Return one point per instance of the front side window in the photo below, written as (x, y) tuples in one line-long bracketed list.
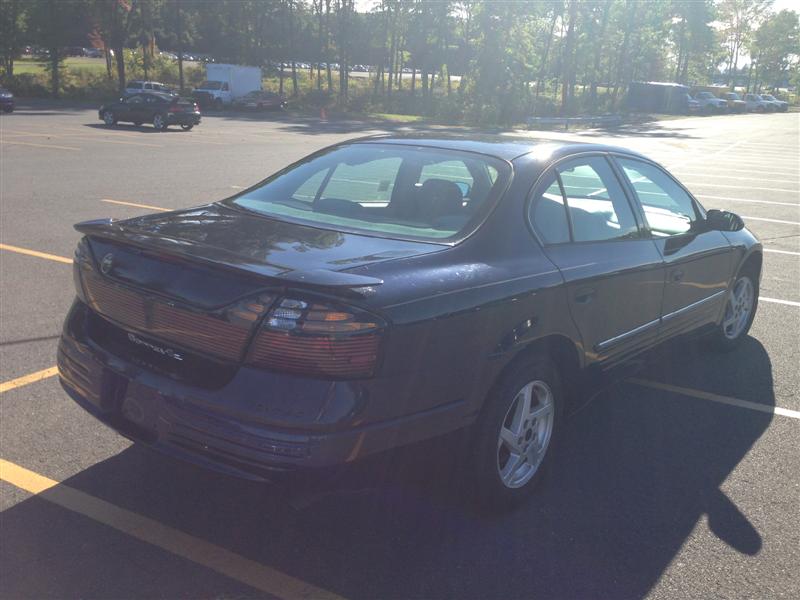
[(384, 189), (668, 209)]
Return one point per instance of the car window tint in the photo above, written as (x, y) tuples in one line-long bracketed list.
[(365, 183), (448, 170), (597, 206), (389, 190), (309, 188), (668, 209), (548, 213)]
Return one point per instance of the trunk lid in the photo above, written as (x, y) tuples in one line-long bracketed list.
[(213, 255)]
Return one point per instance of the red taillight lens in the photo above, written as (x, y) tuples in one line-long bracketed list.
[(318, 340)]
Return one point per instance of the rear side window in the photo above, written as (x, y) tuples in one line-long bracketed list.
[(391, 190), (548, 213), (668, 209), (596, 204)]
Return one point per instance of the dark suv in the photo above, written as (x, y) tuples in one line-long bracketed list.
[(389, 290)]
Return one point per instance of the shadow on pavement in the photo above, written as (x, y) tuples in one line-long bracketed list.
[(637, 469), (651, 129)]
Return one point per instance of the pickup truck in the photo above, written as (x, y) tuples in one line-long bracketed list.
[(709, 103)]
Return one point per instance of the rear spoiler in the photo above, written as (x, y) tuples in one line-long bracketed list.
[(112, 230)]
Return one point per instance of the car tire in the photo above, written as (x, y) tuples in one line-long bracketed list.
[(503, 478), (741, 304), (160, 122), (109, 118), (187, 126), (218, 105)]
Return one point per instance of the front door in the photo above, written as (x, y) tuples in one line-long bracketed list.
[(698, 262), (614, 275)]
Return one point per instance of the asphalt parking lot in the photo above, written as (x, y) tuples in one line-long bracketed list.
[(681, 481)]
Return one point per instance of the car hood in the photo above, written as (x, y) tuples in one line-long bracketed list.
[(235, 238)]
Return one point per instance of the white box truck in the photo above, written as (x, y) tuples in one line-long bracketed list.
[(224, 83)]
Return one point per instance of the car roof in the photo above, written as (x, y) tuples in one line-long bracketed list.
[(161, 95), (504, 147)]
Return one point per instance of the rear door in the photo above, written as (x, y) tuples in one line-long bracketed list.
[(698, 262), (614, 274)]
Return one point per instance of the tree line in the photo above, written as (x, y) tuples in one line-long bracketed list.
[(497, 59)]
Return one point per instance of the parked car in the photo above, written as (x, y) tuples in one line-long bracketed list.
[(392, 289), (756, 103), (780, 105), (6, 100), (692, 105), (735, 102), (162, 110), (260, 100), (136, 87), (709, 103)]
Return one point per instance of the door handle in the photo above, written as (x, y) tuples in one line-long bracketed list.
[(585, 295), (677, 275)]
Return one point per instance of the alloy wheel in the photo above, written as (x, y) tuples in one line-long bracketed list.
[(158, 122), (108, 118), (738, 308), (525, 434)]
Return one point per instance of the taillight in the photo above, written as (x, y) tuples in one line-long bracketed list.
[(318, 340), (82, 261)]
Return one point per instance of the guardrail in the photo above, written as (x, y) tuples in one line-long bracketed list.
[(591, 121)]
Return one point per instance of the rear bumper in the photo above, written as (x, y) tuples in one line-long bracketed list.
[(226, 429), (183, 119)]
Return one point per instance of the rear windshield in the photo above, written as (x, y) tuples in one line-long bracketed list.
[(384, 189), (211, 85)]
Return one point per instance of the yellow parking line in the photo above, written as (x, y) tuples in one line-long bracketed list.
[(258, 576), (55, 147), (26, 379), (37, 254), (134, 204)]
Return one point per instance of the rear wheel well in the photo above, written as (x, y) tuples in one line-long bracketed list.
[(562, 351)]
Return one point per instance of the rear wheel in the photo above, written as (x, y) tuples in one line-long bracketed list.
[(516, 432), (740, 310), (160, 122), (109, 118), (186, 126)]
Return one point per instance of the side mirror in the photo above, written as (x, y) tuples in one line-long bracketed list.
[(723, 220)]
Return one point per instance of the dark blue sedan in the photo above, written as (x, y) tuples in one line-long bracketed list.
[(388, 290)]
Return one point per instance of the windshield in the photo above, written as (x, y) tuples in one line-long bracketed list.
[(384, 189), (211, 85)]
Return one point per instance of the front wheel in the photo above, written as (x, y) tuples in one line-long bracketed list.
[(740, 310), (515, 435), (159, 122), (109, 118)]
